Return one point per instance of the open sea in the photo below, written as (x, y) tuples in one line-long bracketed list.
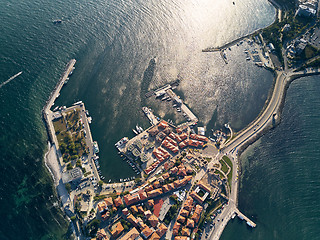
[(113, 42)]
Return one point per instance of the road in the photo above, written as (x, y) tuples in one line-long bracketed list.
[(265, 120)]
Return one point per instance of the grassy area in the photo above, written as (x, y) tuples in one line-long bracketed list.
[(315, 63), (219, 173), (224, 166), (310, 52), (230, 179), (70, 137), (228, 161)]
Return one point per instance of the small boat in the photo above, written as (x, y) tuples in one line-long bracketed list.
[(95, 147), (71, 71), (141, 129), (165, 98), (56, 108), (135, 131), (57, 21), (123, 140), (138, 129)]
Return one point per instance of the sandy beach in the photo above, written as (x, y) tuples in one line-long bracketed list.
[(52, 164)]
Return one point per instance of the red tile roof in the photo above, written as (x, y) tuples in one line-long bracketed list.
[(188, 204), (156, 184), (184, 213), (108, 201), (175, 229), (125, 211), (118, 201), (117, 229), (102, 206), (190, 223), (153, 220), (195, 217), (143, 195), (163, 124), (185, 231), (151, 203), (155, 192), (140, 209), (183, 136), (154, 236), (101, 234), (181, 219), (181, 238), (170, 146), (165, 188), (131, 235), (199, 137), (165, 175), (132, 220), (174, 170), (146, 232), (162, 229), (184, 143), (148, 188), (198, 209), (134, 209), (157, 207), (147, 213), (131, 198)]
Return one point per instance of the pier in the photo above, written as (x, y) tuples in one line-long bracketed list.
[(152, 118), (184, 107), (161, 91), (244, 217), (47, 113), (56, 91)]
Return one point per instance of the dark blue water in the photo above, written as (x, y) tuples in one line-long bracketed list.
[(280, 184), (113, 42)]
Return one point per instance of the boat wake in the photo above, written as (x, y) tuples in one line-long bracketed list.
[(10, 79)]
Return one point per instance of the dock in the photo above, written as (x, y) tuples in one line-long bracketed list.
[(47, 113), (56, 91), (152, 118), (161, 91), (243, 217), (184, 107)]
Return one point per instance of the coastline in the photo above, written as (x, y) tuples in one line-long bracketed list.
[(235, 41), (52, 164)]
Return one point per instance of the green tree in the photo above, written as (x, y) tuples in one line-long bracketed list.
[(68, 187), (69, 166)]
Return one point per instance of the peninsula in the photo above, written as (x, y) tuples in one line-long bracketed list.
[(186, 183)]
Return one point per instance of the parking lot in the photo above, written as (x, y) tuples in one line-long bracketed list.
[(314, 38)]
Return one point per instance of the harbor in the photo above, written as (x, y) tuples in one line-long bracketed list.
[(140, 152)]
